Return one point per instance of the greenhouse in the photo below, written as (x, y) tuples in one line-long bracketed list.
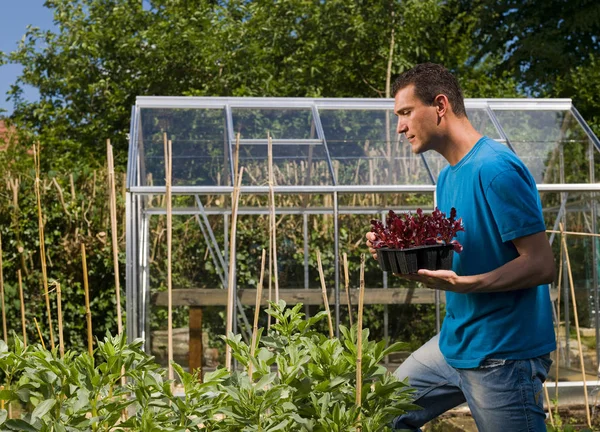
[(338, 163)]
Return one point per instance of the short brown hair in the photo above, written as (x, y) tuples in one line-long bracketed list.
[(431, 80)]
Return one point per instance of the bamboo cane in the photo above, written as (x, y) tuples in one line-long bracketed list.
[(270, 253), (560, 273), (371, 181), (272, 228), (4, 329), (549, 404), (88, 311), (168, 165), (115, 245), (232, 246), (570, 274), (113, 224), (37, 326), (72, 183), (347, 284), (236, 158), (324, 292), (257, 311), (361, 299), (231, 281), (61, 340), (270, 266), (36, 162), (23, 326), (573, 233)]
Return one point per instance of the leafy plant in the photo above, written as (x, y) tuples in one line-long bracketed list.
[(302, 381), (421, 229)]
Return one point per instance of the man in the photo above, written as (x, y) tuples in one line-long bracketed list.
[(493, 348)]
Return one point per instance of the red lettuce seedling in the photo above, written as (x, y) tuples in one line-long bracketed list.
[(421, 229)]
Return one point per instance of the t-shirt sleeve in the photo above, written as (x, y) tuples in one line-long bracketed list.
[(515, 204)]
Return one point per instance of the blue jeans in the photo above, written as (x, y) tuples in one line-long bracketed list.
[(503, 395)]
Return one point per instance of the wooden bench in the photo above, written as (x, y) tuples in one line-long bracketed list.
[(196, 298), (247, 297)]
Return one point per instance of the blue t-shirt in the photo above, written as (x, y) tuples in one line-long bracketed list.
[(496, 197)]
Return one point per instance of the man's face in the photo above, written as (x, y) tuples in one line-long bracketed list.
[(417, 121)]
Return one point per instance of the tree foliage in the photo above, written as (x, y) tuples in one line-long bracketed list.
[(538, 40), (104, 53)]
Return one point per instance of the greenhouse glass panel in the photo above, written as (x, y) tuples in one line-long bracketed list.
[(299, 156), (366, 149), (281, 123), (546, 141), (294, 163), (199, 146), (481, 121), (596, 171), (435, 162)]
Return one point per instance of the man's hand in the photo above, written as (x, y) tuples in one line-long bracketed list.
[(371, 237), (445, 280)]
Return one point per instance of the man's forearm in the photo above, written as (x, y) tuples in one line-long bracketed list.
[(522, 272)]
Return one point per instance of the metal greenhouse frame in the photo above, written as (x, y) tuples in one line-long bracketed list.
[(540, 131)]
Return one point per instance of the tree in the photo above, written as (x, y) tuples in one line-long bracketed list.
[(537, 41), (582, 84), (107, 52)]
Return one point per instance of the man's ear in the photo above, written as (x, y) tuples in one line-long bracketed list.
[(442, 105)]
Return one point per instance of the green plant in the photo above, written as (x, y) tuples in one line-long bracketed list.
[(302, 381), (560, 424)]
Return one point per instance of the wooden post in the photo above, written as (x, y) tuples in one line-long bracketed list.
[(361, 299), (4, 329), (196, 350), (36, 162), (113, 224), (37, 326), (324, 292), (23, 326), (61, 339), (585, 391), (347, 285), (88, 311), (257, 311)]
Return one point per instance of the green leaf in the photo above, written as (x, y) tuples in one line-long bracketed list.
[(265, 381), (42, 409), (278, 427), (7, 395), (20, 425)]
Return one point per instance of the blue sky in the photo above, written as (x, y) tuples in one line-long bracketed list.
[(15, 15)]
